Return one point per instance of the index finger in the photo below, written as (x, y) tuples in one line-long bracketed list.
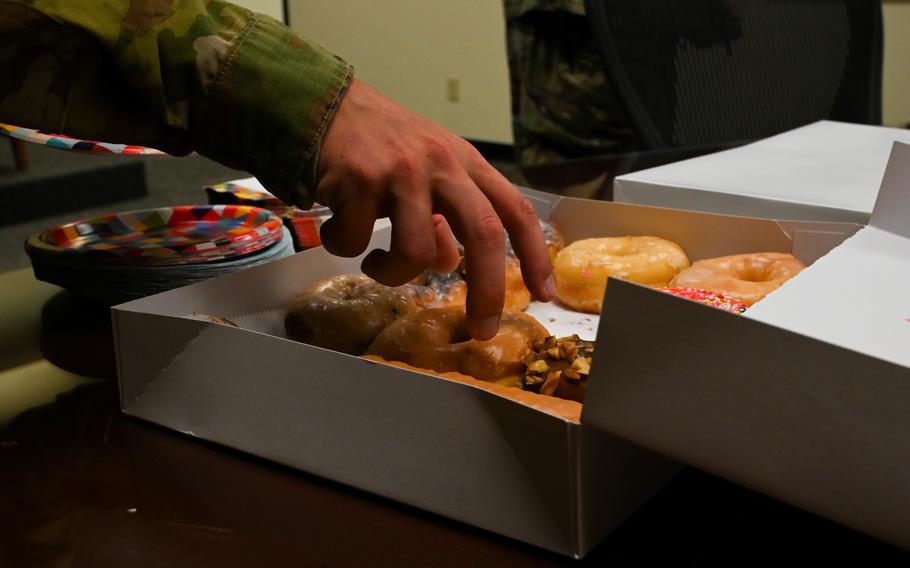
[(478, 228), (521, 221)]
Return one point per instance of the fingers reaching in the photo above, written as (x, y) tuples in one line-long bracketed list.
[(480, 231), (447, 255), (377, 159), (349, 230), (520, 220), (413, 247)]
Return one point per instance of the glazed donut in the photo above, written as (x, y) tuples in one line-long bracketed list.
[(582, 268), (746, 277), (517, 294), (558, 367), (345, 313), (438, 339)]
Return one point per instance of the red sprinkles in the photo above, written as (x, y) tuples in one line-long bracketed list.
[(709, 298)]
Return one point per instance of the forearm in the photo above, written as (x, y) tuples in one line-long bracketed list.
[(210, 76)]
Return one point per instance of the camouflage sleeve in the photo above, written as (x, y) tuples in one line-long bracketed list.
[(563, 103), (201, 75)]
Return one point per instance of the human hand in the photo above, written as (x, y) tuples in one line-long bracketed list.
[(379, 160)]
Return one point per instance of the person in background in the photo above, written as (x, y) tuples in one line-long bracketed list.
[(247, 91), (563, 105)]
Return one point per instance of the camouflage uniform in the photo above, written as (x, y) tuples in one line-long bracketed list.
[(562, 103), (179, 75)]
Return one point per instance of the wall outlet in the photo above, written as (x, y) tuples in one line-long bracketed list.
[(453, 91)]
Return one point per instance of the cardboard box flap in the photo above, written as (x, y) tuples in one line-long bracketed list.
[(827, 165), (855, 296), (790, 416), (701, 235), (543, 202), (892, 208)]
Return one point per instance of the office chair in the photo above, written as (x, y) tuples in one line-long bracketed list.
[(699, 72)]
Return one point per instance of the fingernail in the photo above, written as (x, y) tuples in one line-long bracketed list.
[(487, 328), (549, 288)]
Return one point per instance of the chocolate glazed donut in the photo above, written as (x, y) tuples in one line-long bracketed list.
[(345, 313)]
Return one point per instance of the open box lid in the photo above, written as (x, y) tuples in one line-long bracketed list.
[(825, 170), (851, 300), (856, 296), (804, 398)]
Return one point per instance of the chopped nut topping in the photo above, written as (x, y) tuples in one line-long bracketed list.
[(558, 367), (549, 387), (582, 366), (567, 350), (531, 380)]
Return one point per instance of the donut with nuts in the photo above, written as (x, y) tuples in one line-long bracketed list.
[(558, 367)]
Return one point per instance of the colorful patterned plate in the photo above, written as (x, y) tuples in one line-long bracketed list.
[(164, 236), (62, 142)]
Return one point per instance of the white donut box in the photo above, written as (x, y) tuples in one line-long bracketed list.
[(804, 397), (824, 171)]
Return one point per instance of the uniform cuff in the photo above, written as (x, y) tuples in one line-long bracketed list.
[(268, 108)]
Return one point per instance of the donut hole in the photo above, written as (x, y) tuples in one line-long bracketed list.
[(751, 276), (755, 272), (351, 290)]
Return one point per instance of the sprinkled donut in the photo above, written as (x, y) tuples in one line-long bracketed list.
[(745, 277), (438, 339), (345, 313), (582, 268), (708, 298)]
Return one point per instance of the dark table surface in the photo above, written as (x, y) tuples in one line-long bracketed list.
[(83, 485)]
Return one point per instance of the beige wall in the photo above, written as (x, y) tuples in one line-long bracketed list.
[(272, 8), (410, 49), (896, 81)]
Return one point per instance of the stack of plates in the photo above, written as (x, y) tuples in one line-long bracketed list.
[(123, 256)]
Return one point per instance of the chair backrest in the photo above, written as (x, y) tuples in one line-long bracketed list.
[(698, 72)]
